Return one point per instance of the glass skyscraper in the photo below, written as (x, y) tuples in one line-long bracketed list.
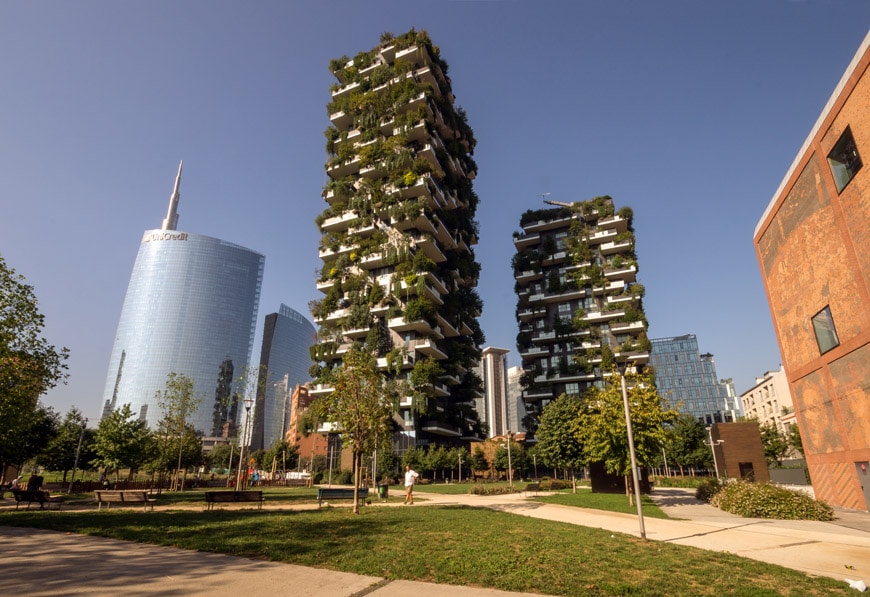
[(285, 359), (687, 378), (191, 308)]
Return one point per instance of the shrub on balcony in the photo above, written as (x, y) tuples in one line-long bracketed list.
[(419, 308)]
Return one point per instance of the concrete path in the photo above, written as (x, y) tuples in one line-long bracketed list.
[(46, 563)]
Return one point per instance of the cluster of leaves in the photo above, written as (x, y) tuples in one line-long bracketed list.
[(764, 500), (707, 488)]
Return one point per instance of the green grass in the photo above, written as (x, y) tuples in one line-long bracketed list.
[(612, 502), (455, 544)]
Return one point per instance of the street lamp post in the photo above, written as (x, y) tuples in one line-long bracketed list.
[(249, 402), (510, 467), (713, 449), (78, 452), (634, 469), (535, 460)]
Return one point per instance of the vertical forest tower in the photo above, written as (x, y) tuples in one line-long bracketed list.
[(398, 270)]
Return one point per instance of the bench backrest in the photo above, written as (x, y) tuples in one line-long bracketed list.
[(29, 495), (250, 496), (331, 492)]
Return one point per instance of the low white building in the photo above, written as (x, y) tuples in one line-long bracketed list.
[(770, 401)]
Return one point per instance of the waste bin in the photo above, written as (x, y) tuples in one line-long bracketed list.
[(383, 491)]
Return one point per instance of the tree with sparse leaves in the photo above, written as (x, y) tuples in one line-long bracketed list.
[(602, 430), (558, 446), (178, 402), (123, 442), (29, 365), (59, 454), (775, 443), (360, 406)]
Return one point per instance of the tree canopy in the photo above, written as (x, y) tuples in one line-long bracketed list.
[(29, 365), (558, 446), (122, 441)]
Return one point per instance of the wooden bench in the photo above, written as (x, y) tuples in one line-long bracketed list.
[(214, 497), (324, 494), (532, 488), (36, 497), (128, 496)]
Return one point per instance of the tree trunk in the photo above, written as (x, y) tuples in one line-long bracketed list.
[(357, 458)]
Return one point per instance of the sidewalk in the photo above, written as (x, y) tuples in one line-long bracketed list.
[(46, 563)]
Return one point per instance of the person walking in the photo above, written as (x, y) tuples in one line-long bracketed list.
[(410, 478)]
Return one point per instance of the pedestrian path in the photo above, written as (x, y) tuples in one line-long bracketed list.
[(47, 563)]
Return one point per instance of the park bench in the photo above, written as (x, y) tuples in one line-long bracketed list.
[(324, 494), (128, 496), (36, 497), (533, 488), (214, 497)]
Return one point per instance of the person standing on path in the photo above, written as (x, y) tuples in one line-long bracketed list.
[(410, 478)]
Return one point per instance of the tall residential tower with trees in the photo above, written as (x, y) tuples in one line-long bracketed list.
[(399, 273)]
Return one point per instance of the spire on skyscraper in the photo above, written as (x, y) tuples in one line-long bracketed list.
[(171, 220)]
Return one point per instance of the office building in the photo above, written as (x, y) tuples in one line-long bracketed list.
[(399, 272), (813, 247), (516, 408), (285, 359), (493, 406), (579, 304), (190, 308), (687, 380)]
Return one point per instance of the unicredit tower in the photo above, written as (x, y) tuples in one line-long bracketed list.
[(191, 308)]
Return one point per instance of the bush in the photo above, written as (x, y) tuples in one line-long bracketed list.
[(763, 500), (554, 485), (492, 490), (685, 482), (707, 489)]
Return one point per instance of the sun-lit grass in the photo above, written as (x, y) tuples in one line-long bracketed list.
[(458, 545), (612, 502)]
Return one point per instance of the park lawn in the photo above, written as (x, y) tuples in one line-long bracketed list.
[(612, 502), (451, 544)]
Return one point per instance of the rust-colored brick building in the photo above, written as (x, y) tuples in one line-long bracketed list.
[(813, 246)]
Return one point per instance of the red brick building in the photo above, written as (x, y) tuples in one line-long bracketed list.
[(813, 246)]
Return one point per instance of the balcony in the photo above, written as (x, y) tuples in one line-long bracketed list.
[(617, 223), (428, 348), (341, 120), (320, 389), (615, 247), (333, 316), (324, 285), (331, 254), (420, 222), (428, 245), (344, 90), (542, 225), (344, 168), (527, 276), (526, 240), (564, 295), (623, 274), (555, 258), (529, 313), (447, 328), (534, 395), (618, 327), (544, 337), (436, 282), (602, 236), (442, 429), (339, 222), (421, 326), (534, 351)]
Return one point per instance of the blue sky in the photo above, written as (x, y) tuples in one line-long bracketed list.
[(688, 111)]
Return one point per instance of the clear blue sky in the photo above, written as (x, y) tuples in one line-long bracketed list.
[(688, 111)]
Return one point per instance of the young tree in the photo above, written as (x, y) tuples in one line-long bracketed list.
[(221, 455), (558, 446), (178, 402), (281, 456), (685, 445), (458, 458), (123, 442), (479, 463), (360, 406), (29, 365), (602, 430), (60, 453), (794, 439), (775, 443), (437, 459)]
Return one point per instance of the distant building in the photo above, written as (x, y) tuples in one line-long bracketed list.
[(813, 247), (190, 308), (285, 359), (515, 404), (493, 407), (579, 306), (687, 379), (769, 401)]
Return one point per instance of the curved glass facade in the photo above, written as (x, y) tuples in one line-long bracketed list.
[(284, 362), (191, 308)]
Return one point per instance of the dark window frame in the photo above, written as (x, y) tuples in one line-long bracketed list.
[(844, 160), (825, 330)]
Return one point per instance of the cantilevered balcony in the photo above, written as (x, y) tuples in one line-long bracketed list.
[(339, 222), (421, 326), (567, 294), (602, 236), (614, 222), (429, 247), (325, 285), (344, 90), (534, 351), (615, 247), (442, 429), (543, 225), (527, 276), (333, 316), (344, 168), (320, 389), (428, 347), (341, 120), (332, 254), (428, 291), (527, 240), (421, 222), (529, 313), (621, 327), (447, 328), (624, 274)]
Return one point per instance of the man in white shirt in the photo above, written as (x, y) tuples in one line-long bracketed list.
[(410, 478)]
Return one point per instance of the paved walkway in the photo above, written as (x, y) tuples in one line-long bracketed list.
[(46, 563)]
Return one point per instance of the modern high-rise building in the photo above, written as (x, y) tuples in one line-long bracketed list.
[(285, 359), (399, 273), (687, 380), (191, 309), (579, 303), (813, 247), (516, 407), (493, 406)]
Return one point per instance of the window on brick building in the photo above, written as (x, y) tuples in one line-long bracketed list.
[(826, 332), (844, 160)]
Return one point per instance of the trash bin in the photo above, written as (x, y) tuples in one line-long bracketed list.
[(383, 491)]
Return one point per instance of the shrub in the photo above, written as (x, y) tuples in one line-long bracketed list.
[(764, 500), (554, 484), (493, 490), (707, 488)]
